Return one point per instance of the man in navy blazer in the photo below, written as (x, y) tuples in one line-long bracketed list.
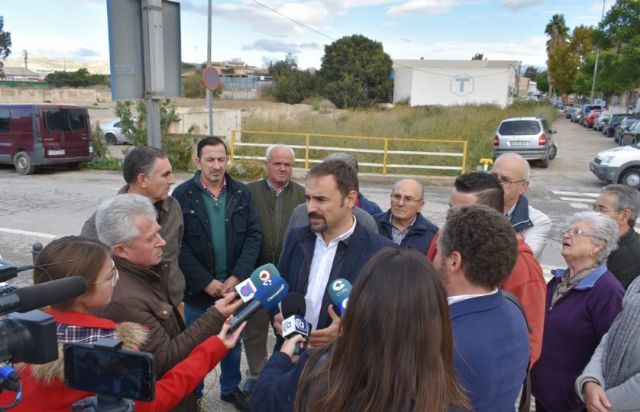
[(333, 245), (477, 250)]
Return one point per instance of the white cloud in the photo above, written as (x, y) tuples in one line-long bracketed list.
[(58, 46), (274, 46), (424, 6), (530, 51), (515, 5)]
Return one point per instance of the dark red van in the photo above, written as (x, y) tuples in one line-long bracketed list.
[(44, 134)]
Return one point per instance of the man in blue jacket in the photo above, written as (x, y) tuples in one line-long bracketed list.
[(403, 222), (333, 245), (477, 250), (220, 246)]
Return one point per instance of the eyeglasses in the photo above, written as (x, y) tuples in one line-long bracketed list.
[(408, 200), (113, 277), (576, 231), (505, 180), (600, 209)]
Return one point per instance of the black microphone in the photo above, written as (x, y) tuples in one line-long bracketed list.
[(34, 297), (293, 309), (8, 271), (267, 296)]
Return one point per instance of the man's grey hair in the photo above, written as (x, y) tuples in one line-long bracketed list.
[(627, 197), (115, 218), (526, 168), (270, 149), (605, 230), (140, 160), (419, 183), (345, 157)]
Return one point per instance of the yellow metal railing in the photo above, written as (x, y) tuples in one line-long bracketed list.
[(386, 151)]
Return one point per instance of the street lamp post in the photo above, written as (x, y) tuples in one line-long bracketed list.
[(595, 67)]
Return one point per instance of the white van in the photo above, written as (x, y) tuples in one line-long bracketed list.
[(618, 165)]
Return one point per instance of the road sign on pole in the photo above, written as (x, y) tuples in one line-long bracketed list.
[(211, 78)]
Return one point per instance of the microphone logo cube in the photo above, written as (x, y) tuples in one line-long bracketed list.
[(246, 290)]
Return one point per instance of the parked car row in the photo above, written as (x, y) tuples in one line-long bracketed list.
[(530, 137), (620, 164)]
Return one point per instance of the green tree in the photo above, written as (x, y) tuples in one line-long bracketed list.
[(295, 86), (5, 45), (283, 67), (619, 34), (531, 72), (542, 82), (566, 59), (558, 33), (478, 56), (355, 72), (79, 78)]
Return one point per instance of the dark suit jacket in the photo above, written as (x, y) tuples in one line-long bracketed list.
[(491, 351), (352, 254)]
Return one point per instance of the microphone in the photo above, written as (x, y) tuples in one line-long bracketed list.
[(247, 288), (8, 271), (339, 291), (267, 296), (293, 308), (34, 297)]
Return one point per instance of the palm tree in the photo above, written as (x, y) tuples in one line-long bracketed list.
[(558, 33)]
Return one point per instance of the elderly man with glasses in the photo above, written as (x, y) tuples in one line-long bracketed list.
[(403, 223), (622, 204), (530, 223)]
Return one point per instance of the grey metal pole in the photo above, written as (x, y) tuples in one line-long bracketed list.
[(154, 67), (209, 93), (595, 67)]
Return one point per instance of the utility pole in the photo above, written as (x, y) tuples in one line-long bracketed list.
[(595, 67)]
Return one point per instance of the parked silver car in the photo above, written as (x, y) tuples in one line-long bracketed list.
[(113, 133), (530, 137)]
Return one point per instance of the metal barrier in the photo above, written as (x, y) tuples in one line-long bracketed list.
[(386, 152)]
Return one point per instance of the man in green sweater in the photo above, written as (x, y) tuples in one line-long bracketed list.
[(274, 197)]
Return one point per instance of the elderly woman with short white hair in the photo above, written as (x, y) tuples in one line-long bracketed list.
[(582, 302)]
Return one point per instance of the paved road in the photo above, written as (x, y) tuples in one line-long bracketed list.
[(54, 203)]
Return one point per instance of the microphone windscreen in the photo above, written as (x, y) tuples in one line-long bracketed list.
[(263, 274), (270, 295), (293, 304), (48, 293), (339, 291)]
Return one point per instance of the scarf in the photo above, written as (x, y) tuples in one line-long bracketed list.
[(569, 282), (623, 335)]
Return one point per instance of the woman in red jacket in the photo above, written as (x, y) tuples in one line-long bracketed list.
[(43, 385)]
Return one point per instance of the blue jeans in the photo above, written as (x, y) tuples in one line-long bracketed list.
[(230, 375)]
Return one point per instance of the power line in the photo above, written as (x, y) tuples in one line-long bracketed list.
[(293, 20)]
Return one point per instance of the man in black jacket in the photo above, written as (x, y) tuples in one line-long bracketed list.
[(403, 222), (220, 246), (622, 204)]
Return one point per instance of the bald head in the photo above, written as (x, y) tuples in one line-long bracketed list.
[(406, 201), (513, 171)]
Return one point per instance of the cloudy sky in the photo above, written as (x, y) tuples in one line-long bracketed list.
[(259, 31)]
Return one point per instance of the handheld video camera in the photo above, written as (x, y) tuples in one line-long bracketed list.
[(114, 374)]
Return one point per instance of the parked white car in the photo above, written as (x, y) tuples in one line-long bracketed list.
[(618, 165), (113, 133)]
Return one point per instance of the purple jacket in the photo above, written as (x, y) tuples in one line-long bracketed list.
[(572, 330)]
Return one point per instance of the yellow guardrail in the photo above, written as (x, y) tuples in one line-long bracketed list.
[(404, 159)]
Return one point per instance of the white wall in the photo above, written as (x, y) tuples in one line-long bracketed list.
[(437, 86)]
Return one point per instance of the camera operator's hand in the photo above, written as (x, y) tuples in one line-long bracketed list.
[(227, 305), (228, 339), (289, 347)]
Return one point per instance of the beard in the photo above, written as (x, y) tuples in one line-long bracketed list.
[(318, 228)]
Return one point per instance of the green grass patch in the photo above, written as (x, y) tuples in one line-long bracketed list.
[(475, 124)]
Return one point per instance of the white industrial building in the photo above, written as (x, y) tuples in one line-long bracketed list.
[(455, 82)]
